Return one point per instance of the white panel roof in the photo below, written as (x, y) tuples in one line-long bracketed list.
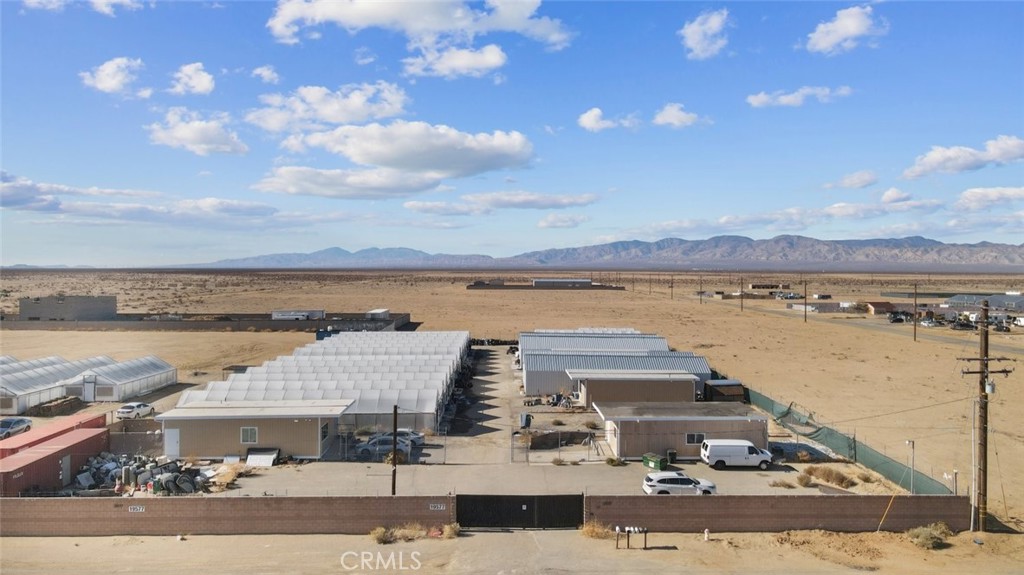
[(50, 375)]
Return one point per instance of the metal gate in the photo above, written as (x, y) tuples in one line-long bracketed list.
[(520, 511)]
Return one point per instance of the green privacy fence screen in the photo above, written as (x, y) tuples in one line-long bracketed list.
[(846, 446)]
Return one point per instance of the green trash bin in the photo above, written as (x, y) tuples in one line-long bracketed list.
[(655, 461)]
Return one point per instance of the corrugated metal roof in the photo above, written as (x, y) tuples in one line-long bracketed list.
[(533, 341), (50, 375), (665, 361), (629, 375), (649, 411)]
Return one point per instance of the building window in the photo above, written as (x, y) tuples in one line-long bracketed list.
[(250, 435), (323, 432), (694, 438)]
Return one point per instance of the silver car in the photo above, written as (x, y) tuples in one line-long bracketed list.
[(381, 446), (13, 426), (676, 483)]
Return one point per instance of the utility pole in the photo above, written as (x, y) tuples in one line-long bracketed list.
[(394, 449), (700, 289), (741, 293), (915, 312), (805, 301), (985, 386)]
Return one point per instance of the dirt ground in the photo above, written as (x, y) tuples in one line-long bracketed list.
[(857, 373)]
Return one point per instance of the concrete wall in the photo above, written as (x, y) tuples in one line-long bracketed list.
[(635, 438), (215, 438), (68, 308), (745, 513), (68, 517), (627, 391)]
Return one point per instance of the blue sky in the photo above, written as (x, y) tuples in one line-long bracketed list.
[(158, 133)]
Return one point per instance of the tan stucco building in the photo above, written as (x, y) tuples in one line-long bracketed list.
[(634, 429), (216, 429), (634, 386)]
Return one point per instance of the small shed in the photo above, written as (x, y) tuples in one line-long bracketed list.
[(635, 429), (633, 386), (215, 429)]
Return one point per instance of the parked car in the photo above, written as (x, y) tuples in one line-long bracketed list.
[(1001, 327), (928, 322), (676, 483), (963, 326), (135, 410), (13, 426), (381, 446), (411, 436)]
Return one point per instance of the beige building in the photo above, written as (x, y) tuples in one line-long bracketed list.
[(635, 429), (633, 386), (216, 429)]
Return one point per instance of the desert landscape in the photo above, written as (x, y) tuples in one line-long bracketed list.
[(854, 372)]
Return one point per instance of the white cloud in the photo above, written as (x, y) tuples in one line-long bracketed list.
[(114, 76), (441, 35), (856, 180), (593, 120), (979, 199), (562, 221), (51, 5), (672, 114), (192, 79), (893, 195), (845, 31), (19, 193), (529, 200), (371, 184), (438, 150), (1002, 150), (445, 208), (454, 62), (478, 204), (186, 129), (364, 56), (106, 7), (144, 93), (704, 37), (780, 98), (266, 74), (313, 106)]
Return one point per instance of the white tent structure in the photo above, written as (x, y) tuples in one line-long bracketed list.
[(122, 381), (7, 368), (416, 371), (25, 388)]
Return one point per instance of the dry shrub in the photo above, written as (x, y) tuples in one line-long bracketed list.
[(558, 461), (804, 480), (865, 477), (803, 456), (451, 530), (574, 462), (557, 422), (410, 532), (597, 530), (227, 474), (782, 483), (830, 475), (591, 424), (931, 536), (615, 461), (382, 535)]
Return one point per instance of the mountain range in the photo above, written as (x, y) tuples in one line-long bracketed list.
[(783, 253)]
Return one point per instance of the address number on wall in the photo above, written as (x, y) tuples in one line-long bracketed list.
[(436, 506), (136, 509)]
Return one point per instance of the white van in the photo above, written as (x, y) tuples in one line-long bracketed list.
[(722, 453)]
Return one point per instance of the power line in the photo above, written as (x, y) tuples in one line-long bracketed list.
[(901, 411)]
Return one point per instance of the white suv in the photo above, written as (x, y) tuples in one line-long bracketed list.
[(676, 483)]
